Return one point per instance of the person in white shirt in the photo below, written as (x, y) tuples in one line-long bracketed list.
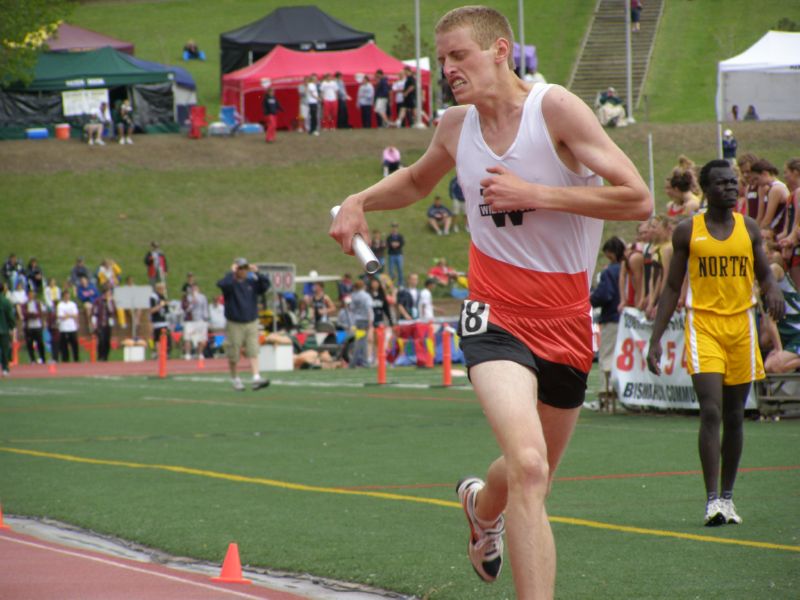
[(312, 99), (18, 297), (366, 96), (99, 117), (329, 90), (52, 294), (533, 76), (195, 324), (425, 304), (397, 94), (531, 161), (302, 112), (67, 315)]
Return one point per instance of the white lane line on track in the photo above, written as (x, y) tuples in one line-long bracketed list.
[(135, 569)]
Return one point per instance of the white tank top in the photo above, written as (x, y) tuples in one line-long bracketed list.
[(537, 262)]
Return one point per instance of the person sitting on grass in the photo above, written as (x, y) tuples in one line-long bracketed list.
[(192, 52), (442, 273), (439, 217), (783, 337), (610, 109), (391, 160)]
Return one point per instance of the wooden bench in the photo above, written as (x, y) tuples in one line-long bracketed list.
[(777, 399)]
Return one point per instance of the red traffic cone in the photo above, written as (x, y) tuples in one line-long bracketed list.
[(51, 367), (201, 362), (231, 567), (2, 526)]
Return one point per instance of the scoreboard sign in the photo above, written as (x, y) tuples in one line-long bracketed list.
[(281, 275)]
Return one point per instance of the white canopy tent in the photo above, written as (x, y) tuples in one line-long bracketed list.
[(766, 76)]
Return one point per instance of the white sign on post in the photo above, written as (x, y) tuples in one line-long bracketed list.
[(82, 102), (133, 297), (281, 275), (635, 384)]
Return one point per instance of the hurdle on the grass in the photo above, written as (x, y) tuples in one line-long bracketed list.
[(162, 355), (14, 354), (380, 353), (429, 358), (447, 357)]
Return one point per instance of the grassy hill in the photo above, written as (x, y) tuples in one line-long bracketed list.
[(160, 29), (693, 37), (681, 85), (210, 200)]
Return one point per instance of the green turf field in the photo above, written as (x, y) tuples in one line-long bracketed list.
[(321, 474)]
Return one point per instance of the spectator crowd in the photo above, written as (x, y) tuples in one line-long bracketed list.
[(637, 271), (323, 102), (55, 319)]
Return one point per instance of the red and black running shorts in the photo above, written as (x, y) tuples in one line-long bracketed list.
[(560, 385)]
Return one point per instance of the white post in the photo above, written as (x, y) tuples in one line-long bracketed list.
[(418, 75), (521, 18), (720, 112), (629, 59), (652, 170)]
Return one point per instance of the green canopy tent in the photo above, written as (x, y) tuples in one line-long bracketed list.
[(44, 101)]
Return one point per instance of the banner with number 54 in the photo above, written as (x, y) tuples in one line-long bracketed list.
[(635, 384)]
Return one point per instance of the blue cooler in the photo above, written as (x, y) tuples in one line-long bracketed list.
[(37, 133)]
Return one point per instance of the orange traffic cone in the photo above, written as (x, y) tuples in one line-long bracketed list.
[(201, 362), (231, 567), (2, 526), (51, 367)]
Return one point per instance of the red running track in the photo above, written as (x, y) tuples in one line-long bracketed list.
[(34, 569), (119, 368)]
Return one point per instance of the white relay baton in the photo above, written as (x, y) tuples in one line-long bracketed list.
[(362, 251)]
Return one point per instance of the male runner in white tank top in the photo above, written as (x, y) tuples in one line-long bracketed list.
[(530, 162)]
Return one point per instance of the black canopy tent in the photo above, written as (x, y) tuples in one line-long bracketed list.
[(297, 27)]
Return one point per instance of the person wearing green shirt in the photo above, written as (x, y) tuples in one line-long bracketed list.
[(8, 322)]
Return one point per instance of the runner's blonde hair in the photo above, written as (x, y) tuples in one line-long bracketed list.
[(486, 24)]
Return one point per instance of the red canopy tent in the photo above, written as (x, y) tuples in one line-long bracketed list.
[(284, 70)]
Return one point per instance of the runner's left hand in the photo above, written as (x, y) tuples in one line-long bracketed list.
[(506, 191)]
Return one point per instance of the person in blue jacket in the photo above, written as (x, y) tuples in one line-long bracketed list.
[(241, 288), (606, 297)]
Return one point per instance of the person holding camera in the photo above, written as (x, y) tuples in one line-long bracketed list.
[(241, 287)]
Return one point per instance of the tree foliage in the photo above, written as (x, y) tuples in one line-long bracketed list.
[(25, 25), (787, 24), (404, 45)]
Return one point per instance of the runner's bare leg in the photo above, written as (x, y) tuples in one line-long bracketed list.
[(507, 392)]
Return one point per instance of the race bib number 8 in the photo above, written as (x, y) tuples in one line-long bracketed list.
[(474, 317)]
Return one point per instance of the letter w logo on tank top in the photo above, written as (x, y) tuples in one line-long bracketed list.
[(499, 217)]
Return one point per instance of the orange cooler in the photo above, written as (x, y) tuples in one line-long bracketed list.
[(62, 131)]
